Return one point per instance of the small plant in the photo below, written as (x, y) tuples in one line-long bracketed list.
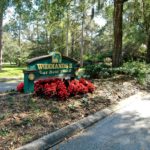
[(2, 116), (55, 110), (85, 101), (72, 107), (20, 87), (4, 132)]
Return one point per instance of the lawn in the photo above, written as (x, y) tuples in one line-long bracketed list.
[(10, 71), (24, 118)]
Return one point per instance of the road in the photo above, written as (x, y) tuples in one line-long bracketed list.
[(126, 129), (9, 85)]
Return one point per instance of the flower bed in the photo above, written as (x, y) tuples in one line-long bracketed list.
[(24, 118), (60, 88)]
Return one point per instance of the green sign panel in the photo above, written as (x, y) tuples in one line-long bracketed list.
[(53, 65)]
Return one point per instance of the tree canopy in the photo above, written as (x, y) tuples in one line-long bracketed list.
[(40, 26)]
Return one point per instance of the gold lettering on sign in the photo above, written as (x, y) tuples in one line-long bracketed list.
[(40, 66), (54, 66)]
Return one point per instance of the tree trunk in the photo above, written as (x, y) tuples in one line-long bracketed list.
[(19, 31), (148, 49), (82, 42), (72, 44), (67, 34), (146, 17), (37, 32), (117, 50), (1, 25)]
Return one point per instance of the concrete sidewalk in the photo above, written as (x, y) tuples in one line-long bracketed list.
[(126, 129)]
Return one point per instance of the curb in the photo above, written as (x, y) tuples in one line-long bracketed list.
[(56, 137), (50, 140)]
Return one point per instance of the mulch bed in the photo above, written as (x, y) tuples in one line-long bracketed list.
[(24, 118)]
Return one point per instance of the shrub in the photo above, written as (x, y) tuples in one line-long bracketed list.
[(136, 69), (76, 87), (81, 86), (88, 85), (20, 87), (62, 92), (62, 89), (98, 70), (48, 88)]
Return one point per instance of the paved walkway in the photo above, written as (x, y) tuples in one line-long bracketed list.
[(127, 129)]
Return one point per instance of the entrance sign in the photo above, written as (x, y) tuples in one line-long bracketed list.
[(52, 65)]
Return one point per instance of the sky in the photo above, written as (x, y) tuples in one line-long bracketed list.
[(9, 13), (100, 21)]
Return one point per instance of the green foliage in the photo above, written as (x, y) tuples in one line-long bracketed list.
[(4, 132), (97, 70), (55, 110), (40, 26), (136, 69), (12, 52), (100, 57), (72, 107)]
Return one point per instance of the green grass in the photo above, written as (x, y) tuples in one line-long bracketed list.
[(10, 71)]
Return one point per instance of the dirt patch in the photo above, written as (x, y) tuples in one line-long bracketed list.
[(24, 118)]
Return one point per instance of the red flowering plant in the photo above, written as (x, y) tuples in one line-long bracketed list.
[(38, 88), (59, 88), (51, 88), (77, 87), (20, 87), (62, 92), (88, 84)]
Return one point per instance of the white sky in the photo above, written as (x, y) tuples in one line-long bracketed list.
[(100, 21), (9, 13)]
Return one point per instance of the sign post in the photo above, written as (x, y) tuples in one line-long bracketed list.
[(53, 65)]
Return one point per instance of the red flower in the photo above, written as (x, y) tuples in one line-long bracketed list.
[(88, 84), (57, 87), (50, 89), (20, 87), (62, 92)]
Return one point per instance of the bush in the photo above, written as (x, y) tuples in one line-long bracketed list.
[(48, 88), (20, 87), (81, 86), (89, 59), (136, 69), (98, 70)]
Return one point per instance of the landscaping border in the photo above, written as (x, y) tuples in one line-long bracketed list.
[(52, 139), (58, 136)]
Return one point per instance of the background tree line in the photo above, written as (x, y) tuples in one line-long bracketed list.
[(38, 27)]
